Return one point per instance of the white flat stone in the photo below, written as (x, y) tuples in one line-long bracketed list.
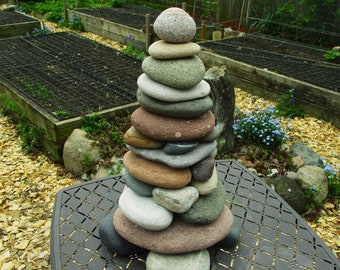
[(170, 94), (143, 211)]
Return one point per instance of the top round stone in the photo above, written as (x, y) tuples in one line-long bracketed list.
[(174, 25)]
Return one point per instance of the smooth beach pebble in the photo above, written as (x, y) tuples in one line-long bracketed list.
[(174, 25), (164, 50)]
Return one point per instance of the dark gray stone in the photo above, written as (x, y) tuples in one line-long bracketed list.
[(207, 208), (113, 241), (307, 154), (203, 170), (186, 109), (141, 188), (291, 192), (232, 238), (179, 148)]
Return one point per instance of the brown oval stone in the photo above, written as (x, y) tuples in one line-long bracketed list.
[(134, 138), (179, 237), (166, 128), (154, 173)]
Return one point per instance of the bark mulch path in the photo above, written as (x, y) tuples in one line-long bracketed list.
[(29, 183)]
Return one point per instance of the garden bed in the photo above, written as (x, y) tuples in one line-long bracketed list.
[(269, 67), (13, 23), (57, 78)]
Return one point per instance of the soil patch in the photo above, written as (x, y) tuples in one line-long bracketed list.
[(292, 59)]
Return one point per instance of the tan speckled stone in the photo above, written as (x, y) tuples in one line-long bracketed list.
[(164, 50), (165, 128), (134, 138), (155, 173), (179, 237)]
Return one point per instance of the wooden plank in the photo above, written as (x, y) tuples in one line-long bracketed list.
[(18, 29), (314, 100), (111, 30)]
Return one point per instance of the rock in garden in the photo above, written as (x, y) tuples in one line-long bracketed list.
[(185, 109), (176, 161), (208, 186), (176, 200), (207, 208), (137, 139), (164, 50), (314, 178), (169, 94), (137, 186), (174, 25), (199, 260), (80, 152), (307, 154), (291, 192), (179, 148), (113, 241), (155, 173), (182, 73), (203, 170), (171, 129), (143, 211), (179, 237)]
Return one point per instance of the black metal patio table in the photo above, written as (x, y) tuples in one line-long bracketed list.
[(273, 235)]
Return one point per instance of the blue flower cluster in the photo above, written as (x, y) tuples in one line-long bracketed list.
[(261, 128)]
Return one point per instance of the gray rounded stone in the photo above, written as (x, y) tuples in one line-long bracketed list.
[(199, 260), (176, 161), (232, 238), (208, 186), (140, 187), (164, 50), (143, 211), (207, 208), (113, 242), (203, 170), (185, 109), (175, 25), (169, 94), (176, 200), (182, 73), (179, 148)]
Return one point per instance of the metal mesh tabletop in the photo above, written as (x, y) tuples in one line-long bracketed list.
[(273, 235)]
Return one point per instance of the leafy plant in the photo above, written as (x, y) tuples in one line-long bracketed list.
[(334, 181), (310, 198), (133, 49), (30, 137), (331, 55), (74, 23), (93, 123), (117, 3), (286, 106), (260, 128), (61, 114)]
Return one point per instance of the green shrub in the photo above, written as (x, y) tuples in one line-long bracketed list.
[(286, 106)]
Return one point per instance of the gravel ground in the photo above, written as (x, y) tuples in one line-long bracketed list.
[(28, 184)]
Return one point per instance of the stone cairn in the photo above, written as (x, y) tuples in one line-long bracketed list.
[(173, 205)]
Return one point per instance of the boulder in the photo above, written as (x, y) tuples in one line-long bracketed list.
[(80, 152), (314, 178), (291, 192), (306, 153)]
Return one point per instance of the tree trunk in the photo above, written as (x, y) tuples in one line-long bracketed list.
[(223, 95)]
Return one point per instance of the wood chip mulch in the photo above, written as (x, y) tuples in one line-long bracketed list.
[(29, 183)]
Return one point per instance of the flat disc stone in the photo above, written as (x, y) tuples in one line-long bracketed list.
[(169, 94), (164, 50), (177, 161), (175, 25), (164, 128), (179, 237), (135, 138), (185, 109), (180, 73), (155, 173)]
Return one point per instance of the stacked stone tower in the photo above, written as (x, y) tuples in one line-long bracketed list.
[(173, 205)]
